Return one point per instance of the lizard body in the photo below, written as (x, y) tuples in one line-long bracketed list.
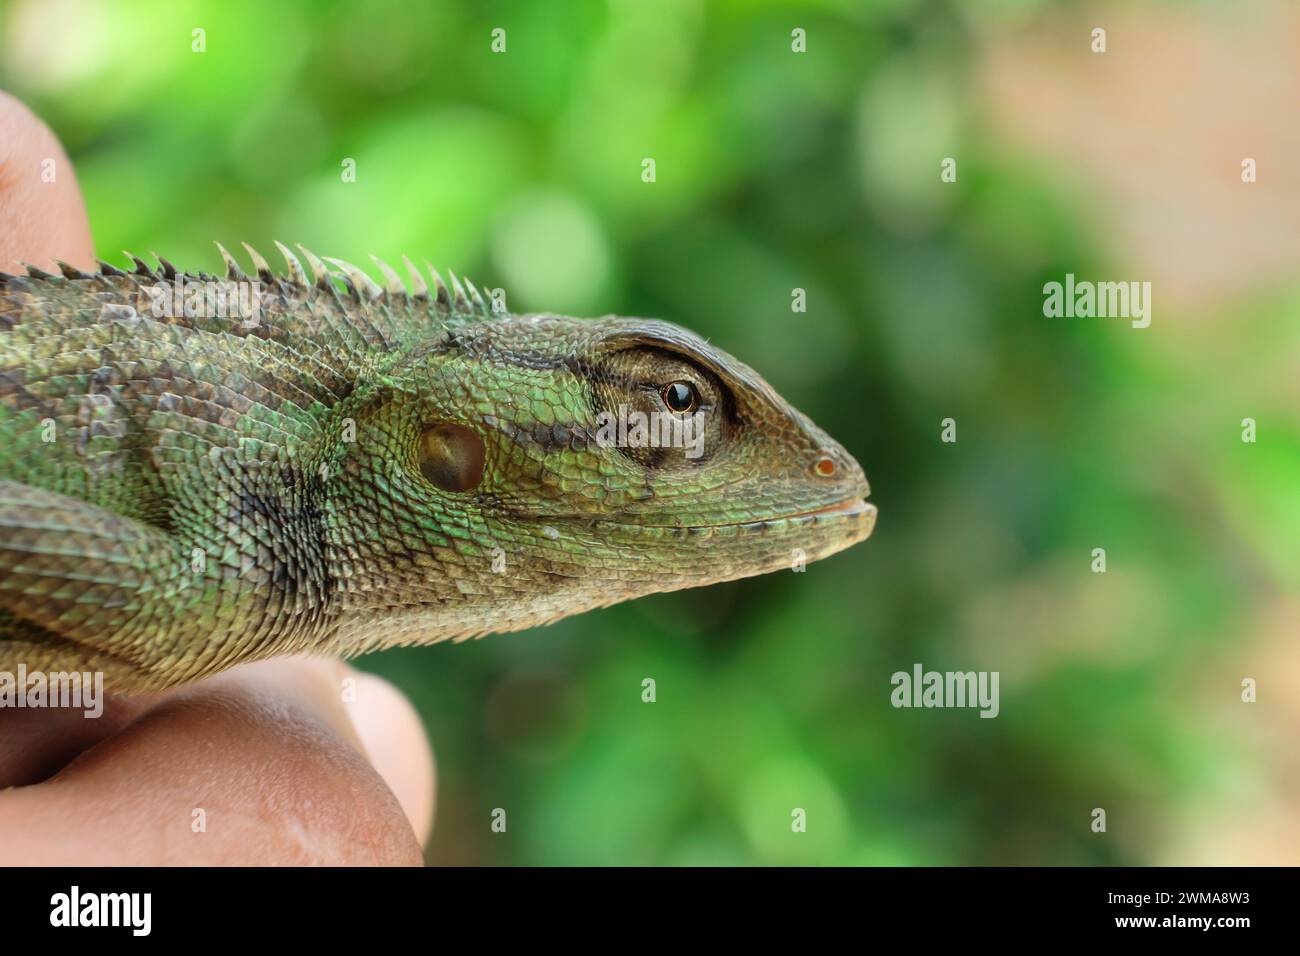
[(359, 467)]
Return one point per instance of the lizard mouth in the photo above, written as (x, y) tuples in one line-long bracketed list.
[(855, 513), (853, 508), (848, 509)]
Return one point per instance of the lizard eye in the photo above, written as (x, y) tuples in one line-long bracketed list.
[(451, 457), (680, 397)]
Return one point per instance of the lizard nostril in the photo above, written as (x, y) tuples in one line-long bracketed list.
[(824, 466)]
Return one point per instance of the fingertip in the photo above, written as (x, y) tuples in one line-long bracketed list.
[(41, 209), (393, 738)]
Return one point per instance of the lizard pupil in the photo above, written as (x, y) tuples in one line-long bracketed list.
[(679, 397)]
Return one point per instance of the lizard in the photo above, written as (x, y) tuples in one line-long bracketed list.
[(353, 466)]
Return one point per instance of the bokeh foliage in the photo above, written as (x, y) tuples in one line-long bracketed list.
[(774, 171)]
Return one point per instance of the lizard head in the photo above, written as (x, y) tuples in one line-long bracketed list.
[(568, 464)]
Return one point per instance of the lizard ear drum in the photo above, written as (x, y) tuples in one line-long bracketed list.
[(451, 457)]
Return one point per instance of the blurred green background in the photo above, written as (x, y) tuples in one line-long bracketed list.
[(818, 170)]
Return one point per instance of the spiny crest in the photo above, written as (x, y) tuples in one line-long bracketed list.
[(461, 296), (456, 295)]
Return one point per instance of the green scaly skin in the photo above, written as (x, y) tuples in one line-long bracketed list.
[(179, 495)]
